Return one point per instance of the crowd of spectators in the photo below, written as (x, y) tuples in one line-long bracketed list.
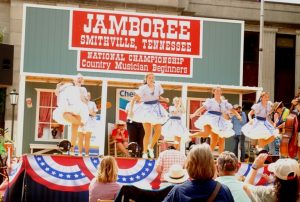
[(200, 177)]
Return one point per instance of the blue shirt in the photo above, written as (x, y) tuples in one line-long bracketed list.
[(198, 190), (237, 124)]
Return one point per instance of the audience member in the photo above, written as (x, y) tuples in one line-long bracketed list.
[(286, 185), (176, 174), (201, 186), (227, 167), (168, 158), (104, 186), (120, 135)]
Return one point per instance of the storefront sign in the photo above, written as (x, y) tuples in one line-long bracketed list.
[(134, 43), (123, 97), (137, 33), (134, 63)]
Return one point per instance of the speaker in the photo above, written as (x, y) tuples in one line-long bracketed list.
[(6, 64)]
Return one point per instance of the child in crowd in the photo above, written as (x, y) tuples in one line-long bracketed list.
[(104, 186)]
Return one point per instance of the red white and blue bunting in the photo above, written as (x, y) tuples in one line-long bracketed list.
[(73, 174)]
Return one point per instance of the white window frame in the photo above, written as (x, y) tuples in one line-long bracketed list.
[(39, 90)]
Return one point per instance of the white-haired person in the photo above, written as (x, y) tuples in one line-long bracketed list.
[(173, 129), (212, 123), (71, 106), (201, 186), (261, 126), (120, 135), (286, 185), (227, 167), (104, 186), (85, 132), (151, 113)]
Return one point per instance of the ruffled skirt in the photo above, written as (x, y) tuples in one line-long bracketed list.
[(218, 124), (90, 125), (174, 127), (150, 113), (259, 130), (80, 109)]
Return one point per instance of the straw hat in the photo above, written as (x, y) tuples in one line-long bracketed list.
[(235, 106), (275, 106), (176, 174), (285, 169)]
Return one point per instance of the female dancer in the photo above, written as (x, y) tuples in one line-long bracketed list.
[(213, 122), (85, 132), (151, 113), (261, 127), (72, 108), (173, 129)]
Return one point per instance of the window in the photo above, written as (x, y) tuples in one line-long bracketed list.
[(193, 105), (46, 128)]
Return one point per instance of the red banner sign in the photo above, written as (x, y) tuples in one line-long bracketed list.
[(134, 63), (136, 33)]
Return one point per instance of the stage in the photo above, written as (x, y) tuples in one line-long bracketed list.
[(66, 178)]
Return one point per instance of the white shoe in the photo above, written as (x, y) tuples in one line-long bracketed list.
[(145, 156), (151, 152)]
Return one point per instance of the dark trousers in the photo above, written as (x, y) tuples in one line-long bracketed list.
[(136, 132), (239, 139)]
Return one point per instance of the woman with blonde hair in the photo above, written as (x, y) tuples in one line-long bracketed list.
[(104, 186), (72, 106), (173, 129), (201, 186), (85, 132), (151, 113), (261, 126), (212, 123)]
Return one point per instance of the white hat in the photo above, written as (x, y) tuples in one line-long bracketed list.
[(285, 169), (78, 76), (120, 122), (176, 174)]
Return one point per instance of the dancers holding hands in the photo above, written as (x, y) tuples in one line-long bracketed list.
[(213, 121), (151, 113), (261, 126)]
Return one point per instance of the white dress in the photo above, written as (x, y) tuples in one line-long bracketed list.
[(69, 100), (136, 107), (174, 126), (91, 122), (261, 128), (151, 111), (213, 117)]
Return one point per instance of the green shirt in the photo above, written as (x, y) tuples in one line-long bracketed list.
[(236, 188)]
